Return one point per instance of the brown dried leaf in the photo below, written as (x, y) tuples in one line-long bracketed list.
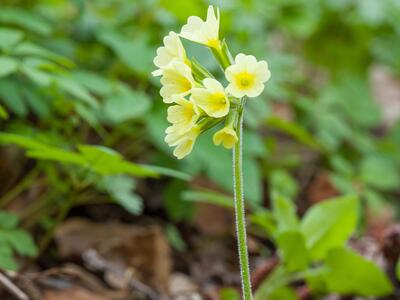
[(143, 251)]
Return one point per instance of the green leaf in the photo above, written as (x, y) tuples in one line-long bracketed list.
[(379, 172), (30, 49), (208, 196), (77, 90), (8, 66), (329, 224), (102, 160), (9, 37), (354, 95), (11, 96), (57, 155), (332, 129), (284, 212), (22, 141), (315, 281), (94, 82), (282, 182), (265, 220), (25, 19), (7, 261), (294, 130), (168, 172), (106, 161), (126, 105), (350, 273), (8, 220), (273, 282), (37, 103), (292, 249), (121, 189), (342, 165), (398, 269), (343, 183), (34, 73), (229, 294), (177, 208), (22, 242), (283, 293), (134, 51)]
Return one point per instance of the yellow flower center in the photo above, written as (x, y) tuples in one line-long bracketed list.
[(244, 80), (219, 98), (185, 84)]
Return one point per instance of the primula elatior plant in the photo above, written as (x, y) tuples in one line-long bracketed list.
[(199, 102)]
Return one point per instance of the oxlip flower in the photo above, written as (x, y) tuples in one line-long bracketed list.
[(226, 136), (211, 98), (172, 50), (177, 81), (203, 32), (183, 115), (182, 141), (247, 76), (209, 105)]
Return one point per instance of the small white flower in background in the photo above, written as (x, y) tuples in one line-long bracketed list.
[(177, 81), (172, 50), (226, 136), (211, 98), (183, 115), (182, 141), (247, 76), (203, 32)]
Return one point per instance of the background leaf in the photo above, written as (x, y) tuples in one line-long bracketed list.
[(329, 224), (350, 273)]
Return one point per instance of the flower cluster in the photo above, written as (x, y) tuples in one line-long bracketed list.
[(199, 101)]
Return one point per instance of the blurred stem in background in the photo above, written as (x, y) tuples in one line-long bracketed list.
[(19, 188)]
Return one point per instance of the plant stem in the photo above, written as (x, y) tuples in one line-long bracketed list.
[(62, 213), (240, 214), (19, 188)]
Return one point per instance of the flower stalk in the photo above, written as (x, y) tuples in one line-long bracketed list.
[(240, 212), (222, 54)]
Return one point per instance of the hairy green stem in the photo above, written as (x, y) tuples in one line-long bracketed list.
[(240, 213)]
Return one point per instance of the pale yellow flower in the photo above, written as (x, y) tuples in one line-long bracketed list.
[(226, 136), (177, 81), (247, 76), (203, 32), (182, 141), (183, 115), (172, 50), (211, 98)]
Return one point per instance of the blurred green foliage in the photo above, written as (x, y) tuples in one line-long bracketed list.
[(13, 240), (314, 249), (75, 74)]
